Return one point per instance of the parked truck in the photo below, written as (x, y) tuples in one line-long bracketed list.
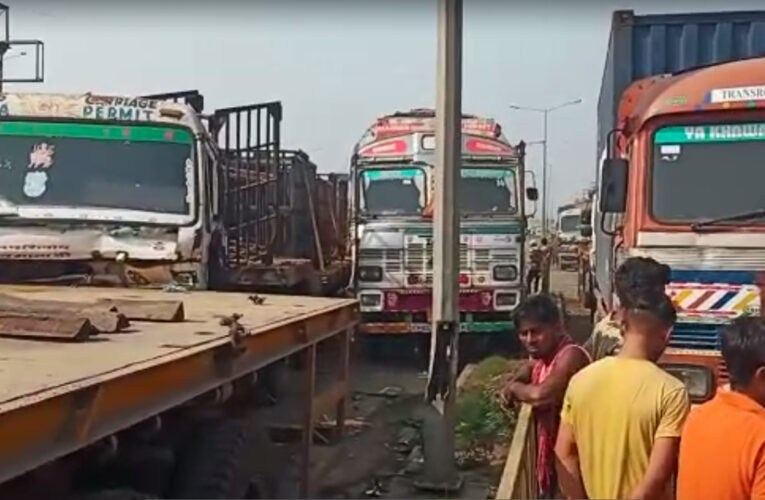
[(680, 135), (125, 373), (682, 96), (568, 237), (392, 179)]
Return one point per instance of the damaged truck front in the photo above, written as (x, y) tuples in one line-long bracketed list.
[(103, 190)]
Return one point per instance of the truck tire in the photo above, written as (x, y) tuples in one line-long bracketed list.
[(227, 458), (117, 494)]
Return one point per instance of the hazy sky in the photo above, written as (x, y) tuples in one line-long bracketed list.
[(337, 65)]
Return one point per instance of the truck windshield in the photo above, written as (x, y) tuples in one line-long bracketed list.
[(487, 190), (707, 172), (59, 164), (393, 191), (569, 223)]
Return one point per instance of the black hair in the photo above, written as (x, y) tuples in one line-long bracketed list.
[(639, 278), (544, 241), (539, 308), (657, 305), (743, 348)]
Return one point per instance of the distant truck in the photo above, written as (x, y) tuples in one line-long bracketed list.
[(681, 137), (569, 240), (125, 376), (392, 179)]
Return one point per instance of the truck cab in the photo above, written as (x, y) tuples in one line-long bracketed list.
[(681, 183), (393, 190), (568, 237)]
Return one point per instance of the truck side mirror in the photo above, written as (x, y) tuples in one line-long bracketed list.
[(585, 231), (613, 187), (532, 193)]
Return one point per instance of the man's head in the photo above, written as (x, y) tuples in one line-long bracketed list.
[(648, 323), (639, 277), (544, 241), (539, 325), (743, 348)]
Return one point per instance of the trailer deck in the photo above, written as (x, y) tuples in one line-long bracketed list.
[(58, 397)]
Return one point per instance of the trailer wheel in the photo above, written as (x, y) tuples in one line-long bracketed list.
[(117, 495), (227, 458)]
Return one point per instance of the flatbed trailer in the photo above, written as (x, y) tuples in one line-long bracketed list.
[(57, 398)]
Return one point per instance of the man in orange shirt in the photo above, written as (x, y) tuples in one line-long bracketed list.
[(722, 449)]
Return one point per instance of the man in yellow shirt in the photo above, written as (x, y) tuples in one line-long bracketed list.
[(622, 416)]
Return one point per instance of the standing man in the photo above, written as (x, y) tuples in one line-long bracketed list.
[(535, 268), (722, 451), (622, 416), (555, 359), (636, 276)]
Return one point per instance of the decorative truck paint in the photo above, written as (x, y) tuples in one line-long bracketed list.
[(670, 128), (393, 267)]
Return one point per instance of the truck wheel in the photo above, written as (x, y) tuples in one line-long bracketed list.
[(227, 458), (117, 495)]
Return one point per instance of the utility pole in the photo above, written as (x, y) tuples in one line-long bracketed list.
[(438, 436), (544, 175), (545, 112)]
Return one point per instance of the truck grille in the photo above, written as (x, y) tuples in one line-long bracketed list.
[(388, 258), (695, 336), (419, 257)]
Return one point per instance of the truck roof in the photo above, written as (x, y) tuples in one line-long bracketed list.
[(122, 378), (97, 107), (695, 90)]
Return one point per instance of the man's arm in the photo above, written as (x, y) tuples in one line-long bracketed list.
[(554, 386), (661, 466), (663, 460), (567, 463)]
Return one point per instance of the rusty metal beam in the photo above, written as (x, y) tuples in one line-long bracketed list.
[(148, 310), (45, 326), (104, 320)]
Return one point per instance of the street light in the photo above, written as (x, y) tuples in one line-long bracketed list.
[(545, 112)]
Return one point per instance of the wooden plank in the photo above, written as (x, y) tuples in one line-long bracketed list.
[(45, 326), (101, 317), (166, 311), (514, 471)]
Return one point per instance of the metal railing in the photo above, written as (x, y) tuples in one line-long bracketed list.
[(519, 477)]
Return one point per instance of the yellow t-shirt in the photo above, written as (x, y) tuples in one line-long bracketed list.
[(617, 407)]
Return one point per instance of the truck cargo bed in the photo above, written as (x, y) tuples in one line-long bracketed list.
[(57, 396)]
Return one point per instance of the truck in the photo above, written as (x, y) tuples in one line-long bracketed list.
[(392, 182), (131, 366), (680, 94), (568, 237)]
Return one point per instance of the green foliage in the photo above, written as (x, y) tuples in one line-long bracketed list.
[(482, 422)]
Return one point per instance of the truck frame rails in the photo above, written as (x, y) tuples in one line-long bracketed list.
[(57, 397)]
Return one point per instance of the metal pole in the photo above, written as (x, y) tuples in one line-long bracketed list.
[(440, 472), (544, 176)]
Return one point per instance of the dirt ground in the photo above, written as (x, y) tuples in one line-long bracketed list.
[(381, 455)]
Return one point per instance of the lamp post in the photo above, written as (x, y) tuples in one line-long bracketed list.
[(545, 112)]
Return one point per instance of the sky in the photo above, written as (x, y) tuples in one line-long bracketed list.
[(336, 65)]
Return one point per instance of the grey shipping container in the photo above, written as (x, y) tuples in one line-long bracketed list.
[(643, 46)]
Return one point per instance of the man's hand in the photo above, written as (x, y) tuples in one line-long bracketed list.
[(507, 396)]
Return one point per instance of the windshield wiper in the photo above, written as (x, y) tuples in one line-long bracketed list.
[(751, 214)]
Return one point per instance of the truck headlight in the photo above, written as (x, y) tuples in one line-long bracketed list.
[(699, 380), (505, 273), (370, 273)]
